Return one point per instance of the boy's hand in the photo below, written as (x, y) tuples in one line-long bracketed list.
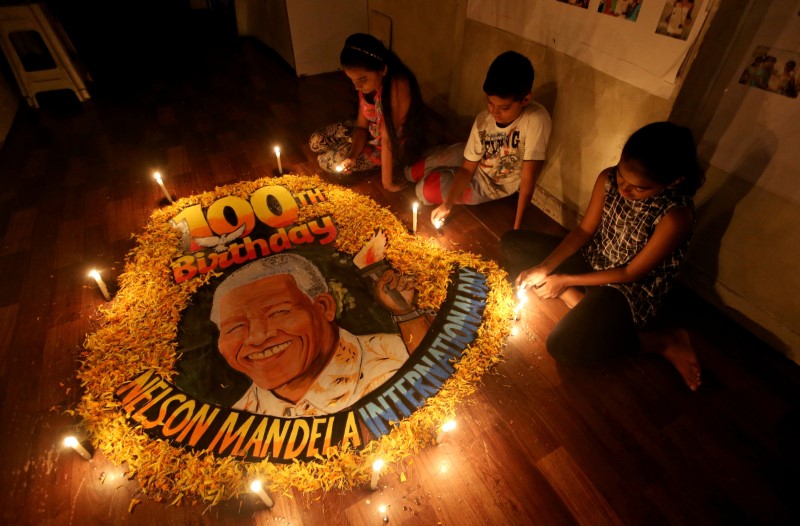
[(440, 213)]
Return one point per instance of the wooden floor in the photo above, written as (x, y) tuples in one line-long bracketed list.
[(625, 444)]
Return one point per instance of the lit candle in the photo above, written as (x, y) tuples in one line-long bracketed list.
[(160, 182), (523, 299), (377, 466), (72, 442), (437, 223), (446, 428), (414, 220), (278, 155), (339, 168), (100, 283), (256, 488)]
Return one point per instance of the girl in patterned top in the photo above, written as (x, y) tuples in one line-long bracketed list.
[(389, 129), (617, 266)]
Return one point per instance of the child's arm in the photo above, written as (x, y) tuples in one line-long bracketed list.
[(359, 140), (578, 236), (667, 236), (401, 101), (460, 182), (529, 175)]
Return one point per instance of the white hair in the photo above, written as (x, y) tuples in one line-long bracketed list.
[(307, 276)]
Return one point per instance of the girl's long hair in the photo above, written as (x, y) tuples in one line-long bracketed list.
[(367, 52)]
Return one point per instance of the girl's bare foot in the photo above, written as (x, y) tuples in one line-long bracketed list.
[(675, 346)]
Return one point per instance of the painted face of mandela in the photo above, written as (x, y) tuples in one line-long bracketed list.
[(275, 334)]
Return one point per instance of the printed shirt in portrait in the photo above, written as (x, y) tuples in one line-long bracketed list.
[(501, 151), (359, 365), (373, 111), (625, 228)]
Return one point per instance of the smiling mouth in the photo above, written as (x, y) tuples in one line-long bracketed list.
[(269, 351)]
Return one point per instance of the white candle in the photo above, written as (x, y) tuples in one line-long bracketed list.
[(256, 488), (72, 442), (160, 182), (377, 466), (278, 155), (446, 428), (100, 283), (414, 219), (523, 299)]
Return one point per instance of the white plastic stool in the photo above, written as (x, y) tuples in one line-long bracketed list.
[(19, 25)]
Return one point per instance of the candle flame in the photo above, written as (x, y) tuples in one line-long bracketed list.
[(157, 176), (70, 441), (255, 486), (437, 223), (377, 465), (449, 426), (94, 274), (277, 150), (382, 508), (521, 293), (415, 207), (339, 168)]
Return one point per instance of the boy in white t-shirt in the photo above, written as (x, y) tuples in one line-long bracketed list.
[(505, 151)]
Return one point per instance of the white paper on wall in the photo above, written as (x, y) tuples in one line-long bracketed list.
[(629, 51), (755, 129)]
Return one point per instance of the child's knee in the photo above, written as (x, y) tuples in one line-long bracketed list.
[(415, 172), (315, 142), (562, 347)]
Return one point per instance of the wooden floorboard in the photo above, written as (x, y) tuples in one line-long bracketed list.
[(538, 443)]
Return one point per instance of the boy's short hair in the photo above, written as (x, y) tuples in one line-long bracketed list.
[(510, 76)]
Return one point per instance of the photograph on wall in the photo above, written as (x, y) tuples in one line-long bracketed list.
[(677, 18), (625, 9), (773, 70), (580, 3)]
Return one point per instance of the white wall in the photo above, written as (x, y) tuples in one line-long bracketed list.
[(748, 241), (307, 34)]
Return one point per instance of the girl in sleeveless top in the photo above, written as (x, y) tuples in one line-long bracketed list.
[(616, 268), (389, 129)]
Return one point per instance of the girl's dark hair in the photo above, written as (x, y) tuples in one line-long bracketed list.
[(367, 52), (664, 153)]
